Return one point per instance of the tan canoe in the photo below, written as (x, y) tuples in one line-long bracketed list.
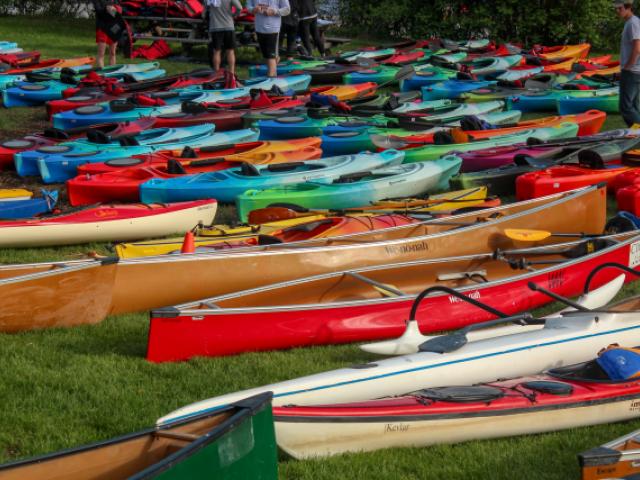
[(146, 283)]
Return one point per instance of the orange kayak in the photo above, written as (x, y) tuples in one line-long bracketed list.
[(52, 63), (565, 51)]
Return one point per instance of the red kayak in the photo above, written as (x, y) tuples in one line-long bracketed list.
[(370, 304), (628, 199), (124, 185), (562, 178), (80, 97), (53, 136), (19, 59), (193, 155), (565, 397), (403, 58)]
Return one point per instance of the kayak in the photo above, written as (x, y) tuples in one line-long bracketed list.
[(371, 303), (452, 88), (430, 152), (239, 151), (138, 283), (379, 74), (286, 67), (606, 102), (59, 167), (347, 92), (54, 63), (11, 208), (26, 162), (548, 100), (565, 397), (53, 136), (8, 194), (301, 126), (484, 67), (379, 54), (615, 459), (357, 189), (124, 185), (331, 73), (580, 50), (505, 352), (562, 178), (519, 73), (295, 83), (107, 223), (226, 185), (502, 180), (174, 451), (426, 76)]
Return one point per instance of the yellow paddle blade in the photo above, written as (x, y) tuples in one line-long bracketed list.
[(526, 235)]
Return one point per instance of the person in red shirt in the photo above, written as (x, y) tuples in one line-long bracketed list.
[(108, 30)]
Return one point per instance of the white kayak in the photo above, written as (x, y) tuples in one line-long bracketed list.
[(510, 352)]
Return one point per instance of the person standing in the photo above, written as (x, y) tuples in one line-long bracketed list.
[(268, 20), (629, 63), (309, 27), (222, 31), (290, 28), (108, 30)]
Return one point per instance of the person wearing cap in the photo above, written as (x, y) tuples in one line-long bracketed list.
[(629, 62)]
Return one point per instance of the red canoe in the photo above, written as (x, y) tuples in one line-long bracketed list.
[(54, 136), (563, 178), (565, 397), (243, 150), (370, 304), (124, 185)]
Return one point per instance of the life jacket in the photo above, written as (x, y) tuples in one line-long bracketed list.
[(158, 49), (620, 363)]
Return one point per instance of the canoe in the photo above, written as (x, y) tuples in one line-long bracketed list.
[(8, 194), (61, 167), (283, 231), (139, 283), (181, 450), (246, 152), (504, 352), (566, 397), (615, 459), (269, 222), (605, 102), (368, 304), (430, 152), (12, 208), (226, 185), (124, 185), (452, 88), (354, 190), (107, 223), (563, 178), (53, 136)]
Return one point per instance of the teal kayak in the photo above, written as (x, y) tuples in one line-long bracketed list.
[(226, 185), (608, 102), (427, 76), (546, 101), (356, 190)]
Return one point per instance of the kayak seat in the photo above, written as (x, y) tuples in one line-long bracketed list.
[(284, 167), (308, 227), (121, 106), (127, 141), (443, 138), (249, 170), (268, 240), (97, 136), (174, 167), (478, 276), (192, 108), (464, 394)]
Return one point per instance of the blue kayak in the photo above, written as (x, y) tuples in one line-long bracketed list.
[(15, 209), (59, 168), (427, 76), (226, 185), (452, 88)]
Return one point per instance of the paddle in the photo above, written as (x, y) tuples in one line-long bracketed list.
[(527, 235)]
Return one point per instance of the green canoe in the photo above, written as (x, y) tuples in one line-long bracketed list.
[(233, 443)]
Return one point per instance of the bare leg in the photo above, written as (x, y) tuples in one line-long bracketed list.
[(231, 60), (272, 67), (112, 54), (100, 60), (217, 59)]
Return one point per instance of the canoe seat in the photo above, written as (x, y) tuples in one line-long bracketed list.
[(479, 276), (385, 289), (185, 437)]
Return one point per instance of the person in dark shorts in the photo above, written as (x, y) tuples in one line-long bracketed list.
[(107, 30), (222, 31), (289, 28), (268, 20), (309, 27), (629, 62)]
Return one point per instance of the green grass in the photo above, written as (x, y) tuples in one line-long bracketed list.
[(62, 388)]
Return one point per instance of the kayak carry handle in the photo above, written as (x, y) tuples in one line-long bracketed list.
[(619, 266)]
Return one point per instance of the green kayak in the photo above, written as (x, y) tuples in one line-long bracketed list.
[(433, 151)]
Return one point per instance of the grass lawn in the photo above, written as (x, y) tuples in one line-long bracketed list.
[(61, 388)]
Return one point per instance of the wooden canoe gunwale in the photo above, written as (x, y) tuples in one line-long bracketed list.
[(190, 308), (239, 411)]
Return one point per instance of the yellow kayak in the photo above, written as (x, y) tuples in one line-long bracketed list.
[(208, 236), (470, 197), (7, 194)]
